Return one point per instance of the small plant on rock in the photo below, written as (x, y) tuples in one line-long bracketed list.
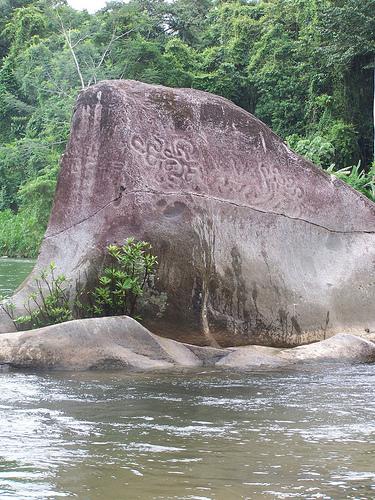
[(121, 283), (128, 269), (358, 178), (50, 303)]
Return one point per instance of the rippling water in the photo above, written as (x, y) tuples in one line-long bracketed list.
[(200, 435), (12, 273), (192, 435)]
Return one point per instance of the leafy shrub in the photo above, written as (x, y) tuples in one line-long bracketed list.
[(20, 234), (128, 269), (321, 152), (357, 178), (344, 140), (50, 304), (316, 149), (123, 281)]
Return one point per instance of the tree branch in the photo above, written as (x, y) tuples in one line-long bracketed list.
[(106, 51), (68, 40)]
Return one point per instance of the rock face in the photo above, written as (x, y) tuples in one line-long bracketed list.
[(122, 343), (256, 245)]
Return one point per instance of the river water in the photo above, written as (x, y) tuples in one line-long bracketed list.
[(307, 433), (12, 273)]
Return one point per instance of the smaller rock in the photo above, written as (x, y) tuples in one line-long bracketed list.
[(340, 348), (208, 355), (122, 343), (253, 356), (97, 343), (368, 335)]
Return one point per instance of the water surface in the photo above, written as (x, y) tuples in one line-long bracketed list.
[(201, 435), (12, 273), (193, 435)]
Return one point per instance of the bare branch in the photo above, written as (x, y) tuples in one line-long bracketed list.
[(68, 40), (81, 40), (59, 90), (106, 51)]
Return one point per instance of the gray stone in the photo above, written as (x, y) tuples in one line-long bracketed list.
[(256, 245), (207, 355), (342, 348), (122, 343), (116, 342), (252, 357)]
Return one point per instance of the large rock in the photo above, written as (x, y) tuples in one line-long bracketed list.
[(116, 342), (122, 343), (256, 245)]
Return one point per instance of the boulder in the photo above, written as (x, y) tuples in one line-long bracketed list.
[(101, 343), (253, 357), (256, 245), (122, 343), (342, 348)]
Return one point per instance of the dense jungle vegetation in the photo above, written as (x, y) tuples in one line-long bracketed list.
[(304, 67)]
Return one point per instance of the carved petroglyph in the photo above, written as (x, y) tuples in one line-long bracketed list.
[(269, 187), (177, 164), (175, 161)]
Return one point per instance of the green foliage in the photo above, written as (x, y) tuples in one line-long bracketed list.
[(316, 149), (343, 138), (23, 161), (121, 283), (357, 178), (304, 67), (50, 304), (20, 233), (115, 292)]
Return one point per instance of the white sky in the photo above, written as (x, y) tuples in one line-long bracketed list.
[(90, 5)]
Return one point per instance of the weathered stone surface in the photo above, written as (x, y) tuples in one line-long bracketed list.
[(122, 343), (252, 357), (256, 245), (116, 342), (341, 348)]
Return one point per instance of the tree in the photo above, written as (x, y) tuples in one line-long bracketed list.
[(302, 66), (347, 28)]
